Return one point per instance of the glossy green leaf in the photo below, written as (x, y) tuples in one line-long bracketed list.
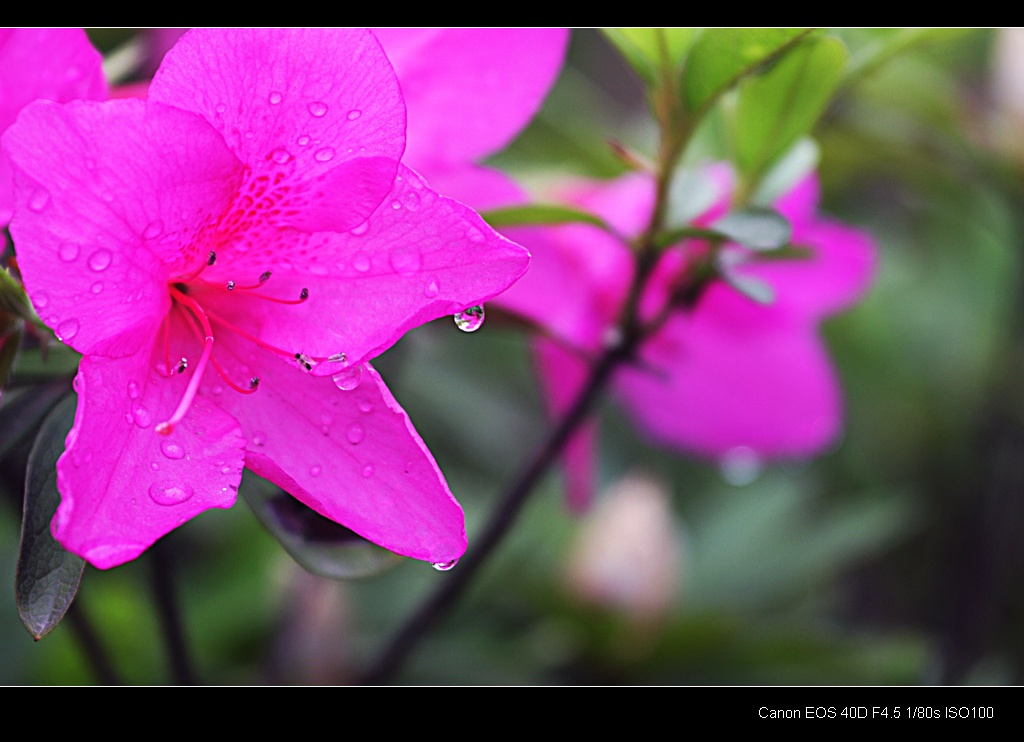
[(721, 56), (48, 576), (540, 214), (648, 49), (779, 107), (756, 228), (23, 410), (319, 545)]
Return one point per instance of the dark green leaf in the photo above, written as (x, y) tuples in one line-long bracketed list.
[(48, 576), (12, 297), (721, 56), (319, 545), (779, 107), (10, 341), (24, 409), (757, 228), (540, 214)]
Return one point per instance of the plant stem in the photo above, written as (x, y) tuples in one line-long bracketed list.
[(91, 645), (171, 625)]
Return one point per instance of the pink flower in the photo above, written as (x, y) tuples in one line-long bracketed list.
[(57, 64), (218, 253), (730, 376)]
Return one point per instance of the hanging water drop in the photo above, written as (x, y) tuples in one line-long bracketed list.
[(100, 260), (169, 495), (471, 319), (67, 329), (349, 378), (444, 566), (172, 450)]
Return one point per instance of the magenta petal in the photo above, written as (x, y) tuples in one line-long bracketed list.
[(309, 99), (418, 257), (732, 375), (563, 375), (123, 485), (469, 91), (111, 197), (57, 64), (352, 456)]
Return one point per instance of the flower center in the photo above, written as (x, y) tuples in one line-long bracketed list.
[(201, 322)]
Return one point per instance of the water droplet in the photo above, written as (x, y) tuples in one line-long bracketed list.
[(97, 288), (470, 320), (315, 470), (303, 140), (396, 204), (474, 234), (361, 262), (324, 155), (154, 466), (225, 470), (444, 566), (175, 494), (281, 156), (39, 200), (40, 299), (133, 390), (259, 438), (353, 114), (141, 416), (431, 290), (67, 329), (405, 260), (365, 405), (361, 229), (317, 108), (221, 108), (275, 97), (68, 252), (349, 378), (412, 201), (153, 230), (368, 471), (355, 434), (337, 358), (740, 466), (100, 260), (172, 450)]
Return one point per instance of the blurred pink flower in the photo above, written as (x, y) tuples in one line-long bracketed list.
[(226, 255), (57, 64), (729, 376)]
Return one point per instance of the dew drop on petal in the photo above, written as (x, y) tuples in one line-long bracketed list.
[(365, 405), (154, 466), (353, 114), (317, 108), (141, 416), (133, 390), (444, 566), (174, 494), (360, 229), (470, 320), (303, 140), (315, 470), (39, 200), (412, 201), (97, 288), (225, 470), (324, 155), (405, 260), (355, 434), (68, 252), (396, 204), (67, 329), (349, 378), (281, 156), (431, 290), (40, 299), (275, 97), (474, 234), (153, 230), (259, 438), (368, 471), (172, 450), (100, 260), (361, 262)]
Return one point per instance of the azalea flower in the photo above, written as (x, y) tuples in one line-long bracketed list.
[(226, 255), (731, 377), (57, 64)]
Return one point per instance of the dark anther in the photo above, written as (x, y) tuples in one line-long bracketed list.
[(254, 382), (264, 276), (212, 259), (182, 365), (304, 294), (231, 285)]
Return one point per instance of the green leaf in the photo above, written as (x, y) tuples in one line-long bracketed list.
[(540, 214), (750, 286), (12, 296), (647, 49), (757, 228), (721, 56), (48, 576), (319, 545), (779, 107), (888, 45)]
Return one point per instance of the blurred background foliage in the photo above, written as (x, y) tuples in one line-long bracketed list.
[(891, 559)]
